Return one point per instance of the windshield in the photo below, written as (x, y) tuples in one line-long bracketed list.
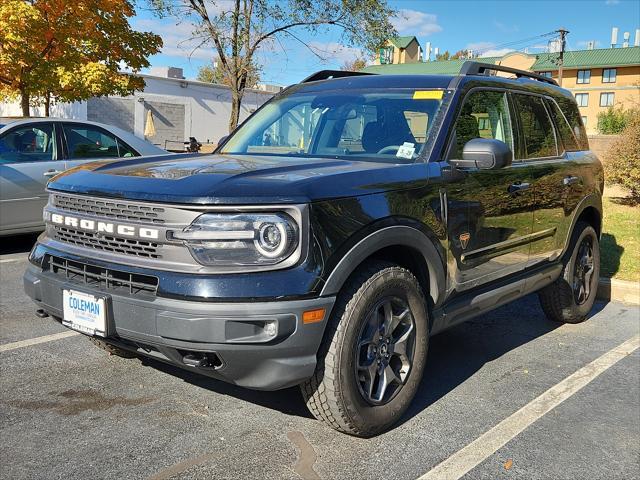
[(388, 125)]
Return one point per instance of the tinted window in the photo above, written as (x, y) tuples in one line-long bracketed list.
[(564, 129), (125, 150), (539, 138), (28, 144), (572, 114), (484, 114), (89, 142)]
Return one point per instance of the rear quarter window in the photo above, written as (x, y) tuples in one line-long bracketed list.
[(572, 114), (563, 128)]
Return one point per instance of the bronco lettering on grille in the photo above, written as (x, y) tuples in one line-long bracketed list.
[(104, 227)]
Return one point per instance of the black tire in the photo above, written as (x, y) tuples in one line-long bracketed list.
[(335, 393), (560, 301), (111, 349)]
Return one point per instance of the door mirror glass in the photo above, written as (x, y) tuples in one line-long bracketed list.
[(484, 154)]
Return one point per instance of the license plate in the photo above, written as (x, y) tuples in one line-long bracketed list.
[(84, 312)]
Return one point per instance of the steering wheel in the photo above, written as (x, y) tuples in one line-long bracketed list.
[(388, 148)]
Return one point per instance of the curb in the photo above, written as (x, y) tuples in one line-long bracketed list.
[(611, 289)]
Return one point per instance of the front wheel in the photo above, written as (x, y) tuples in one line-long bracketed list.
[(570, 298), (374, 352)]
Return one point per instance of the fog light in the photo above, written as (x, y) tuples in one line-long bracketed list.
[(270, 328)]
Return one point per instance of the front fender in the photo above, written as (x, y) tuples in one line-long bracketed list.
[(395, 235)]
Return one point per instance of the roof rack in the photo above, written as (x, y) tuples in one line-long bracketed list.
[(479, 68), (327, 74)]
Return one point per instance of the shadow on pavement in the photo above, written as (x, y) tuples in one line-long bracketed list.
[(18, 243), (454, 356), (458, 353), (288, 401)]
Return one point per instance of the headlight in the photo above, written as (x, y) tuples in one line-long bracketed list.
[(243, 239)]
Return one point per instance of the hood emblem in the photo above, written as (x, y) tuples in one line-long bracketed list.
[(464, 239)]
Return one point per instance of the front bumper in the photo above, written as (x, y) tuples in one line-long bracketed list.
[(230, 335)]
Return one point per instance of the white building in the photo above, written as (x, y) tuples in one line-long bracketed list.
[(181, 109)]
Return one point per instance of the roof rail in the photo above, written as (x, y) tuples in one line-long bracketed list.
[(479, 68), (327, 74)]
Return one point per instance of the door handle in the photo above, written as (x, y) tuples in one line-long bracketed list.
[(570, 180), (51, 173), (514, 188)]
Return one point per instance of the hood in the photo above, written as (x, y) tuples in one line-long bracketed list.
[(232, 179)]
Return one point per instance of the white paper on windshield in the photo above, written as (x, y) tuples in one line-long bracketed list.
[(406, 150)]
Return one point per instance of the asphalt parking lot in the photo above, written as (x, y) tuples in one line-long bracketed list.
[(68, 410)]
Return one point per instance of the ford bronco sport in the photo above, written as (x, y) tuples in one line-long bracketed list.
[(327, 239)]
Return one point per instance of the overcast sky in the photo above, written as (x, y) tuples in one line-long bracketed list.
[(489, 27)]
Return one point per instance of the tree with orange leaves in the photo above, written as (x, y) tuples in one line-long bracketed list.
[(71, 50)]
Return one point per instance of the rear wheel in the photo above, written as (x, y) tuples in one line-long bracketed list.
[(111, 349), (372, 358), (570, 298)]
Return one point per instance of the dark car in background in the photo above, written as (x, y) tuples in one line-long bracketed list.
[(34, 150)]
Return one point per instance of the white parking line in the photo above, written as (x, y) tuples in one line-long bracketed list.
[(10, 260), (34, 341), (488, 443)]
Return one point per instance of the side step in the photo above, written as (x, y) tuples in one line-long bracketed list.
[(474, 303)]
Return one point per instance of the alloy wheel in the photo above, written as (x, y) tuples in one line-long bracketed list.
[(583, 271), (385, 349)]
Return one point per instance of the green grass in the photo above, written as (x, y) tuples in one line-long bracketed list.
[(620, 243)]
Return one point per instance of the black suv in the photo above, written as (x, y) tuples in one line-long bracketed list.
[(339, 227)]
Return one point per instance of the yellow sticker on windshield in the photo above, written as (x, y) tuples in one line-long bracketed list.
[(428, 95)]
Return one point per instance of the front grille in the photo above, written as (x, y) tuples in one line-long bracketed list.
[(107, 243), (102, 278), (109, 209)]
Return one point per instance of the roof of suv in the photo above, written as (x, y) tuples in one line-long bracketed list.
[(341, 80)]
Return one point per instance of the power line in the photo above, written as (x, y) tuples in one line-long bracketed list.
[(516, 42)]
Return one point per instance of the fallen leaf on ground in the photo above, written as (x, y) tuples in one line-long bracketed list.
[(508, 464)]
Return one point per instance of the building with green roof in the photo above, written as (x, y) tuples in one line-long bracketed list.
[(599, 78)]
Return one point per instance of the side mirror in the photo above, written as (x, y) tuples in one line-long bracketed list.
[(484, 154), (222, 140)]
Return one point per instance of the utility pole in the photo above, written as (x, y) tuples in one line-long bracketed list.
[(563, 42)]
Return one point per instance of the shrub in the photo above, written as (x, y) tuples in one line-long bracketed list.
[(622, 161), (614, 120)]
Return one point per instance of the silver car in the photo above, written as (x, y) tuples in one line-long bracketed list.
[(34, 150)]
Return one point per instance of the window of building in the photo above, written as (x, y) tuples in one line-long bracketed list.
[(582, 99), (546, 74), (609, 75), (584, 121), (386, 55), (584, 76), (537, 129), (607, 99)]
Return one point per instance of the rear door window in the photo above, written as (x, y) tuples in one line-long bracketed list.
[(33, 143), (537, 130), (84, 141)]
